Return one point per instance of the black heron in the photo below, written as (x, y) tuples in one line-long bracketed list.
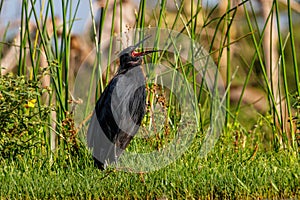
[(119, 110)]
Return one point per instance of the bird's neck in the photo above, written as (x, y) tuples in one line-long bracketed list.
[(125, 69), (134, 73)]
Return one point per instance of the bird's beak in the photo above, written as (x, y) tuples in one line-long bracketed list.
[(143, 53)]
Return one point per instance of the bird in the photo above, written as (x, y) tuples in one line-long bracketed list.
[(120, 109)]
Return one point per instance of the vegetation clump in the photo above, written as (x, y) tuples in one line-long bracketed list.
[(23, 119)]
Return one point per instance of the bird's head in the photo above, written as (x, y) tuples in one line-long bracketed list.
[(129, 57)]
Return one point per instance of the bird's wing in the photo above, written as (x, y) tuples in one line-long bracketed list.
[(118, 114), (103, 128), (124, 108)]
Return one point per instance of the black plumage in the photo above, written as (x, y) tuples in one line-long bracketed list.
[(119, 110)]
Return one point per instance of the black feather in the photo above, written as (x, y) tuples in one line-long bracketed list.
[(118, 113), (119, 110)]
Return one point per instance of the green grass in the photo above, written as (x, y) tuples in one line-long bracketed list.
[(224, 173)]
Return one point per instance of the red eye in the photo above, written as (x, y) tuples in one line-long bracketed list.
[(135, 54)]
